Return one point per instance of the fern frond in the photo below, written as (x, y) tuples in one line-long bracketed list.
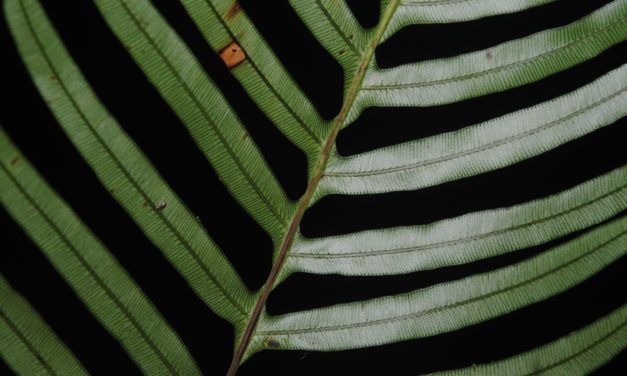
[(591, 208)]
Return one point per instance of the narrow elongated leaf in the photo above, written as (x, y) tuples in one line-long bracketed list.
[(101, 283), (123, 169), (482, 147), (466, 238), (508, 65), (27, 344), (578, 353), (440, 11), (446, 306)]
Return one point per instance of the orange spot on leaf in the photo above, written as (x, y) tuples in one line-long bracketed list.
[(232, 55)]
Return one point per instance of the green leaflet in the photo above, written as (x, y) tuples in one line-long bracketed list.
[(122, 167), (482, 147), (508, 65), (101, 283), (579, 353), (463, 239), (441, 11), (27, 344), (446, 306)]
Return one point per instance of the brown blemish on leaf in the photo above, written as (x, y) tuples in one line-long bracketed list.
[(244, 136), (129, 47), (351, 37), (144, 204), (233, 10), (274, 343), (112, 190), (14, 160), (160, 206), (489, 55), (232, 55), (341, 52), (53, 77)]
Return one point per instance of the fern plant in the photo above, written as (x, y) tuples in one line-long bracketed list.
[(30, 347)]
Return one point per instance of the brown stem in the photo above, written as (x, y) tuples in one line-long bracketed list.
[(311, 188)]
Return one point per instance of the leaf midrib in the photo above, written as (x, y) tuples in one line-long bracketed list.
[(318, 172), (28, 344)]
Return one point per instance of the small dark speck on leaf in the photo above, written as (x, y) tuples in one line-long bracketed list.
[(275, 344), (144, 204), (351, 37), (489, 55), (14, 160), (53, 77), (161, 205), (244, 136), (341, 52)]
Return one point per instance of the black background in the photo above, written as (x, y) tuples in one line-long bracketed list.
[(146, 117)]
